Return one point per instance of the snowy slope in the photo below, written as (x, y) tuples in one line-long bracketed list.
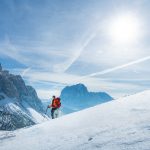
[(123, 124), (14, 115), (36, 116)]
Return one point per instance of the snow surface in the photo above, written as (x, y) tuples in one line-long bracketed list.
[(122, 124), (36, 116), (13, 106)]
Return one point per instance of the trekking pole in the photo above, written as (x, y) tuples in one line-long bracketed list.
[(46, 110)]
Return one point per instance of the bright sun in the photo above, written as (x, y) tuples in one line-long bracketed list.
[(124, 29)]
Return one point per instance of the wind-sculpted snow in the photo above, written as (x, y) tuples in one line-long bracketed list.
[(122, 124)]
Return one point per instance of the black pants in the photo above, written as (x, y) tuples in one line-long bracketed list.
[(53, 113)]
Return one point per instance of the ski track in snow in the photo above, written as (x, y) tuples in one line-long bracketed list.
[(122, 124)]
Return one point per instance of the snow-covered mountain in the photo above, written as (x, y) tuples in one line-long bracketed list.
[(122, 124), (77, 97), (19, 103)]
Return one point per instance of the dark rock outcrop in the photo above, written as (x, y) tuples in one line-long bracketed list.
[(19, 84), (7, 87)]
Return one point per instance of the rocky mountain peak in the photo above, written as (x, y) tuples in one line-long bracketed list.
[(18, 101), (79, 97), (13, 86)]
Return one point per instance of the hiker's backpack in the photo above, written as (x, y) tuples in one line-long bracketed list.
[(56, 103)]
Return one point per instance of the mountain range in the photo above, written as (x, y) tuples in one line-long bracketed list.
[(19, 103), (21, 107)]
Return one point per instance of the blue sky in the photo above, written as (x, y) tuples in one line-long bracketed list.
[(101, 43)]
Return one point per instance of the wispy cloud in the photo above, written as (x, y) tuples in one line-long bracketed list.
[(33, 55), (25, 71)]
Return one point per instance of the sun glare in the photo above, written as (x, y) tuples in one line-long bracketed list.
[(124, 29)]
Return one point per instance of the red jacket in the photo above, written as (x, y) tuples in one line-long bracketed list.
[(56, 103)]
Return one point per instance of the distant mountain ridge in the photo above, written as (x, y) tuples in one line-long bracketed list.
[(77, 97), (19, 103)]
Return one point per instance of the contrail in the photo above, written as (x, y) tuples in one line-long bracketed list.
[(69, 63), (117, 67)]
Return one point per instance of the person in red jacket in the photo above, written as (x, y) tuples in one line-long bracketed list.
[(55, 105)]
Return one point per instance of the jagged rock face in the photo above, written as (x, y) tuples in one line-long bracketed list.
[(14, 87), (19, 84), (14, 114), (74, 94), (32, 99), (32, 92), (74, 91), (7, 87)]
